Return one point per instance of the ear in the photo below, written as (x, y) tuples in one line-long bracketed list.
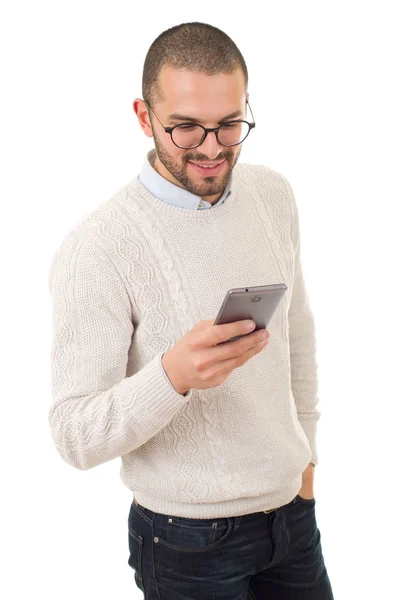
[(140, 108)]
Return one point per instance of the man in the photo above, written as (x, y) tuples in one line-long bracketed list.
[(218, 442)]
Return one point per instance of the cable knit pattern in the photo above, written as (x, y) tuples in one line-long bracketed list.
[(126, 283)]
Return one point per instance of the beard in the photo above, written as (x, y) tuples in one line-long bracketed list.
[(208, 186)]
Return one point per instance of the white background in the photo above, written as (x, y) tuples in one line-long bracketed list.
[(322, 84)]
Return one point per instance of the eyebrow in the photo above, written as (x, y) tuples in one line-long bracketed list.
[(178, 117)]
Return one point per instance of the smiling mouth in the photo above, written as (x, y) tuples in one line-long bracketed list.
[(208, 170)]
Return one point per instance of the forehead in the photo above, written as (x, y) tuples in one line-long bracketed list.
[(203, 97)]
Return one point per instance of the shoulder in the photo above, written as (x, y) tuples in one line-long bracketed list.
[(263, 176), (93, 231), (83, 247), (272, 185)]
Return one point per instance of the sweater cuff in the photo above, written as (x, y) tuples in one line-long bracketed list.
[(168, 379), (310, 429)]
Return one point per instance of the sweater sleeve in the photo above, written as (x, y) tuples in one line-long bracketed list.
[(304, 378), (98, 413)]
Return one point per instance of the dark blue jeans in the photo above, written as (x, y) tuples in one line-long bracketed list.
[(259, 556)]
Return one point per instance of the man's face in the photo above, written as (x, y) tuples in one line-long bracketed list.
[(207, 100)]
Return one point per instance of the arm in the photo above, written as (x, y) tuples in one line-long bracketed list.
[(98, 413), (304, 379)]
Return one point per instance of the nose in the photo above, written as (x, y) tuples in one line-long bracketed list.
[(210, 146)]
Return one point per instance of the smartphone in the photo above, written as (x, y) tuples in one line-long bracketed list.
[(257, 303)]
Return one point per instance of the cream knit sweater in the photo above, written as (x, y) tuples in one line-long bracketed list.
[(130, 279)]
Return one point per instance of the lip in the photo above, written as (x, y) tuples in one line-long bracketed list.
[(208, 172)]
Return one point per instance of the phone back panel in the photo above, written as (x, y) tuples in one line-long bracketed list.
[(256, 303)]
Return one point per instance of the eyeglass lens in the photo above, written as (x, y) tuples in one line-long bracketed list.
[(230, 134)]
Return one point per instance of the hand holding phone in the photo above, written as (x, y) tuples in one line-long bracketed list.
[(201, 360)]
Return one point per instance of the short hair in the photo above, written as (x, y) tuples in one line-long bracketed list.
[(194, 46)]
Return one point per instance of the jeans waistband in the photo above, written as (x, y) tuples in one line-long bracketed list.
[(264, 511)]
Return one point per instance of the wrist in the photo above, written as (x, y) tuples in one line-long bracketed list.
[(308, 474)]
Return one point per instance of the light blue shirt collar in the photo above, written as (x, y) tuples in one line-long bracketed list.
[(167, 191)]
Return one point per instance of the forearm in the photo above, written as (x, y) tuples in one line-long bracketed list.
[(97, 427)]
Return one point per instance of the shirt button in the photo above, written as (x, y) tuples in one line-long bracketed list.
[(201, 205)]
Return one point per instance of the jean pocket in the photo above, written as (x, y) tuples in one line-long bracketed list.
[(310, 501), (135, 559), (192, 535)]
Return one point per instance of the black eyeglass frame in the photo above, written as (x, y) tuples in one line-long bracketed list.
[(207, 130)]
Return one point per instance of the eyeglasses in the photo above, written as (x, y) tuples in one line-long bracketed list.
[(191, 135)]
